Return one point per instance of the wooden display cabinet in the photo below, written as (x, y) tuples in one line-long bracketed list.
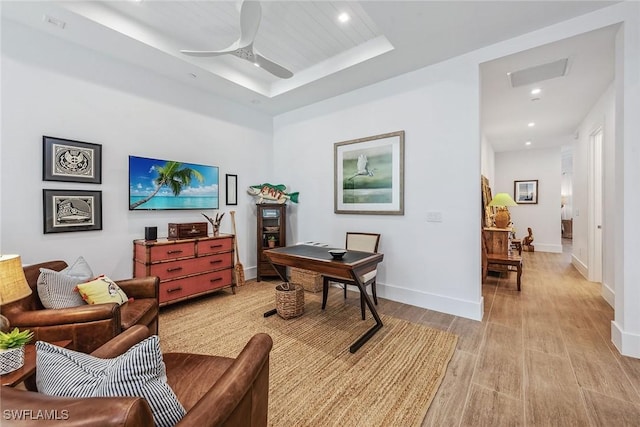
[(271, 227)]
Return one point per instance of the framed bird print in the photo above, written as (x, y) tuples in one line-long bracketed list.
[(369, 175), (71, 161)]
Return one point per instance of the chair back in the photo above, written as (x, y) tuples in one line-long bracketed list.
[(364, 242)]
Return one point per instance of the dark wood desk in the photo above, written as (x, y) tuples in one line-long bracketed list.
[(352, 266), (29, 368)]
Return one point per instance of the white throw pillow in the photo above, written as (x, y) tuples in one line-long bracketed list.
[(56, 289), (139, 372)]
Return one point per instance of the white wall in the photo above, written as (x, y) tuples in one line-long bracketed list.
[(487, 161), (602, 114), (437, 107), (625, 330), (58, 89), (544, 217)]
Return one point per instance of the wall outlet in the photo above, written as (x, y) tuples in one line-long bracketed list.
[(434, 216)]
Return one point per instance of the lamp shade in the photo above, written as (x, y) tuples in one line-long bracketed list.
[(502, 199), (13, 284)]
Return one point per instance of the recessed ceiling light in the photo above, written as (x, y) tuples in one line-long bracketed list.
[(527, 143), (536, 91), (531, 124), (256, 64), (344, 17)]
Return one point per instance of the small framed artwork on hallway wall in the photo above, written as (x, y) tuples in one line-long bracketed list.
[(525, 192)]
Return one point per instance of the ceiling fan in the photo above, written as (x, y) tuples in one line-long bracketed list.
[(250, 16)]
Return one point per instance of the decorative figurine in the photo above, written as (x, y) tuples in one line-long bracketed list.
[(276, 193), (215, 222)]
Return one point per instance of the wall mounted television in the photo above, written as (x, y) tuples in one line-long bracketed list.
[(166, 184)]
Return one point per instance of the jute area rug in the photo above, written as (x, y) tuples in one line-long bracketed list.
[(314, 380)]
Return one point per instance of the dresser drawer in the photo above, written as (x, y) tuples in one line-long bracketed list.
[(186, 267), (217, 261), (179, 250), (215, 245), (188, 286)]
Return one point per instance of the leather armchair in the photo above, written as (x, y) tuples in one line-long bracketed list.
[(215, 391), (88, 326)]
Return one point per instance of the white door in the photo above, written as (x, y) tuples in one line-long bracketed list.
[(595, 208)]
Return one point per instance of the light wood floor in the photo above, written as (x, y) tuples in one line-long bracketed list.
[(542, 356)]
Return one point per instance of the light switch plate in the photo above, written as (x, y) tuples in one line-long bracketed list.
[(434, 216)]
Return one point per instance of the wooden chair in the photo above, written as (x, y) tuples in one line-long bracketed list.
[(503, 261), (363, 242)]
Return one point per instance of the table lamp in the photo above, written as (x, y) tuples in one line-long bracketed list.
[(502, 201), (13, 283)]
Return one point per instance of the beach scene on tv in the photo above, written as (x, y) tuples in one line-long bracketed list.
[(166, 184)]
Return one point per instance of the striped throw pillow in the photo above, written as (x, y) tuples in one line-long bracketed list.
[(140, 372), (56, 289)]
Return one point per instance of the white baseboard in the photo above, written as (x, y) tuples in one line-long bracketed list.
[(627, 344), (608, 294), (454, 306), (543, 247), (458, 307), (250, 273), (580, 266)]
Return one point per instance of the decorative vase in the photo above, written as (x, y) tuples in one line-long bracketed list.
[(271, 243), (502, 218), (11, 359)]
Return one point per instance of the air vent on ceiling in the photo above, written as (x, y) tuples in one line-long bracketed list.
[(538, 73)]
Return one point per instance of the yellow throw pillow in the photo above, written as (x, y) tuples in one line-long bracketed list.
[(101, 290)]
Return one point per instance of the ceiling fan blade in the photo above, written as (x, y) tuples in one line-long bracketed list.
[(206, 52), (272, 67), (250, 16)]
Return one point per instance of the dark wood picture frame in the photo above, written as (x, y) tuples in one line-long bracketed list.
[(525, 192), (71, 161), (231, 185), (71, 210)]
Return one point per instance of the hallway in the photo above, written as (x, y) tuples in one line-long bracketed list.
[(540, 357)]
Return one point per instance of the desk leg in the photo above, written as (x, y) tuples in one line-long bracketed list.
[(519, 274), (282, 272), (365, 337)]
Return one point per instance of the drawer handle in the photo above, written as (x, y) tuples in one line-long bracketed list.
[(179, 288), (171, 270), (215, 246), (177, 251), (217, 279), (218, 261)]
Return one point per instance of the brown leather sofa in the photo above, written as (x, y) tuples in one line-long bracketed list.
[(215, 391), (88, 326)]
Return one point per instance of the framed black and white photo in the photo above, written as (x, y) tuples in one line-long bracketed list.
[(369, 175), (71, 161), (71, 210), (232, 189), (525, 192)]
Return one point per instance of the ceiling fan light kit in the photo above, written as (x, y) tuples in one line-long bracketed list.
[(250, 17)]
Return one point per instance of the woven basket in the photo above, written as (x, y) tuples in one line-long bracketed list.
[(309, 280), (11, 359), (289, 300)]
